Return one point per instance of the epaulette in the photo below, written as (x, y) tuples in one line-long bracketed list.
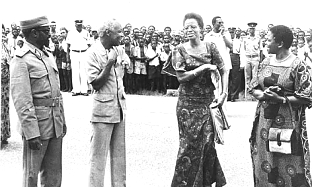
[(22, 52)]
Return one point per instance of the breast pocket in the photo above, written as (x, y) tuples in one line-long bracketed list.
[(38, 80), (104, 105)]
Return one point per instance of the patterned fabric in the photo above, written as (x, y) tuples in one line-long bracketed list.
[(197, 163), (5, 90), (275, 169)]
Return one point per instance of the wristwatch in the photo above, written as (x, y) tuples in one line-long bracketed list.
[(284, 100)]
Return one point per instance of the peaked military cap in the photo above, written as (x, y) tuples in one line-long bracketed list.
[(252, 24), (78, 22), (35, 22)]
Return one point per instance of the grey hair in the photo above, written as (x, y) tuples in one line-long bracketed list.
[(108, 25)]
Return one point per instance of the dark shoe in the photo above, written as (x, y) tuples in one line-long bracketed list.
[(232, 100), (85, 94), (4, 142), (75, 94)]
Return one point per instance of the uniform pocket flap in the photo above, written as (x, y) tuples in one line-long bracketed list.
[(103, 97), (42, 114), (38, 74)]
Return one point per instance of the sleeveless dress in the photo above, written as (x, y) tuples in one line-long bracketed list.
[(197, 162)]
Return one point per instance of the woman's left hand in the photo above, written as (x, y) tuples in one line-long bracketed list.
[(220, 100), (270, 95)]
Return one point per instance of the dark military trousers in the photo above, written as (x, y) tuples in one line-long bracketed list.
[(235, 77), (46, 162)]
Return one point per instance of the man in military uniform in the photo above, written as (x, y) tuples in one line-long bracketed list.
[(251, 46), (104, 66), (36, 95)]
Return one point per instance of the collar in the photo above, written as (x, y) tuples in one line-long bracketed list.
[(36, 51)]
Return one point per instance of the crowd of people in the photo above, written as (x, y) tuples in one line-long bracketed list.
[(149, 49), (209, 64)]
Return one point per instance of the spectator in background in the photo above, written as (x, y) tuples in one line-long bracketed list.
[(143, 30), (78, 42), (66, 65), (235, 73), (208, 28), (164, 55), (140, 65), (53, 28), (308, 53), (5, 90), (126, 31), (151, 29), (251, 46), (301, 48), (128, 78), (12, 42), (153, 53)]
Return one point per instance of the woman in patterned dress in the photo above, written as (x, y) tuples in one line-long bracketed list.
[(282, 78), (5, 87), (197, 163)]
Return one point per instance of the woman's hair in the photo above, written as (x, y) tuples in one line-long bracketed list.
[(283, 34), (195, 16)]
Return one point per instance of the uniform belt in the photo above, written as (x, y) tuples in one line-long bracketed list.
[(51, 102), (252, 56), (79, 51)]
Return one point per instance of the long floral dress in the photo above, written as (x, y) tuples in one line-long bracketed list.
[(197, 163), (5, 88), (276, 169)]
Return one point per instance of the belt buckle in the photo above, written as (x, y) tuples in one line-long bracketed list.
[(56, 102)]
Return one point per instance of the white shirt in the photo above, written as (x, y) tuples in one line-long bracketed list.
[(150, 53), (224, 51), (78, 40)]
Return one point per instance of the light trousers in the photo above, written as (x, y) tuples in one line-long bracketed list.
[(108, 136), (79, 76), (251, 69), (47, 162)]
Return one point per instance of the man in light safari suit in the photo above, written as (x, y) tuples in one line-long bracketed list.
[(36, 95), (105, 64)]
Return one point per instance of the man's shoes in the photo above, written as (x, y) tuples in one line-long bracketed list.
[(232, 100), (75, 94), (4, 142), (85, 94)]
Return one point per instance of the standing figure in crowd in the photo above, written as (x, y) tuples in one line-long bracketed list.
[(251, 47), (5, 90), (78, 42), (60, 58), (164, 56), (104, 68), (129, 75), (308, 54), (140, 69), (66, 65), (36, 95), (13, 41), (53, 28), (283, 80), (153, 54), (235, 72), (194, 61)]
